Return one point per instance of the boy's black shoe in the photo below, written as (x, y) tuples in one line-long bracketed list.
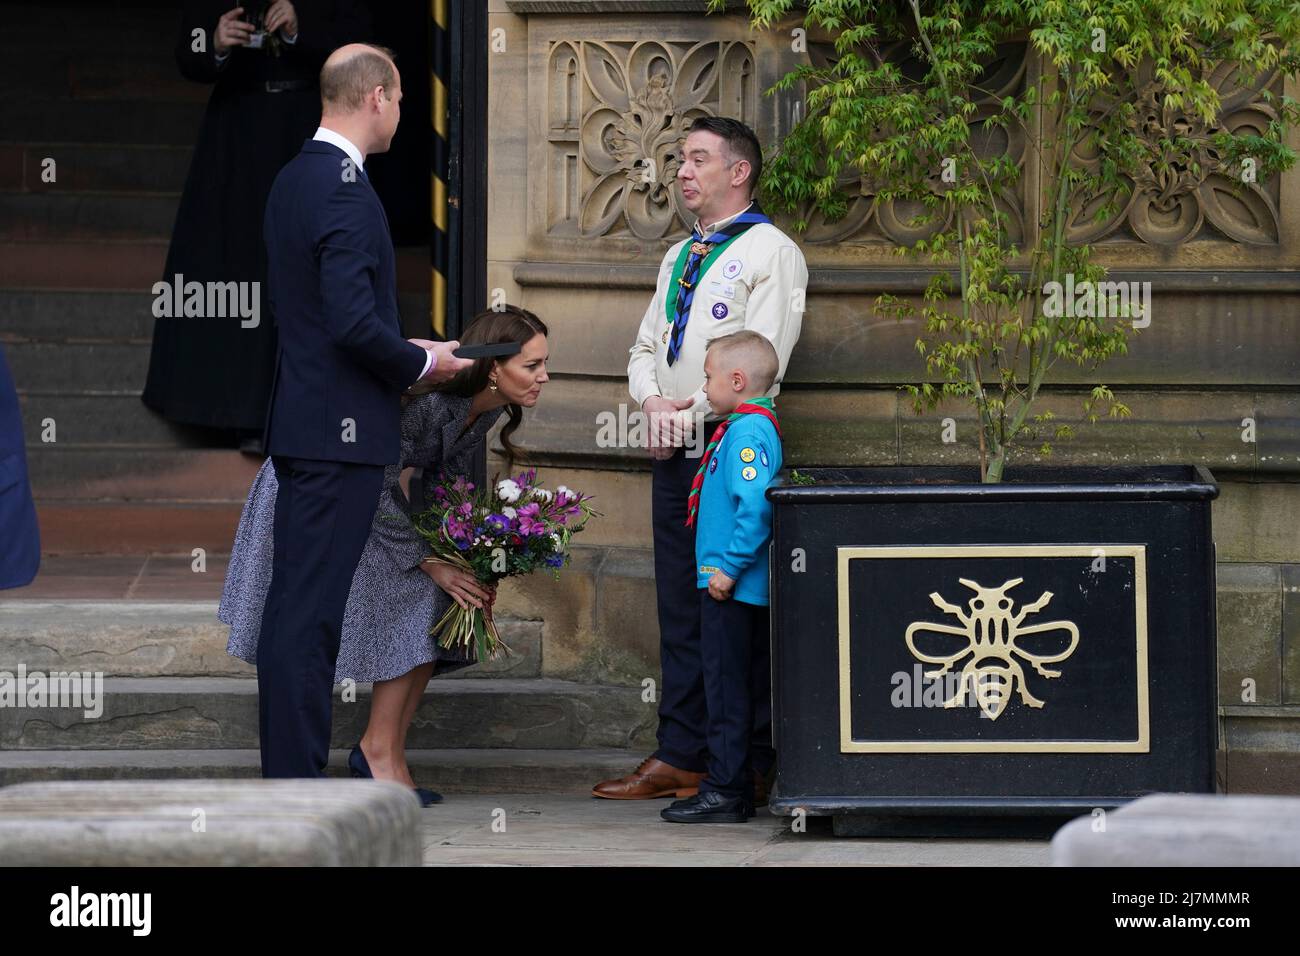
[(708, 807)]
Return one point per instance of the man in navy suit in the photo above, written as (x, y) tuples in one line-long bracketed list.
[(333, 420), (20, 538)]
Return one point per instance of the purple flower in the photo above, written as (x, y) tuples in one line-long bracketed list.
[(529, 518)]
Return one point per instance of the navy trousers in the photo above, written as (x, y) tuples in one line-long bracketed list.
[(735, 651), (323, 513), (683, 709)]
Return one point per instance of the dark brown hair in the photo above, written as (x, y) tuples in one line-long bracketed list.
[(741, 143), (510, 324)]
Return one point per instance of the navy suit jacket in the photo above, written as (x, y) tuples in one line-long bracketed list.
[(342, 362), (20, 538)]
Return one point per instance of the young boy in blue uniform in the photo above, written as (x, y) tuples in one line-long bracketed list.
[(734, 517)]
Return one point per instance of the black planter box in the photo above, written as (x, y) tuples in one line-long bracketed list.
[(1066, 615)]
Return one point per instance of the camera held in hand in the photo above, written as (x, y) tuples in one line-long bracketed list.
[(255, 13)]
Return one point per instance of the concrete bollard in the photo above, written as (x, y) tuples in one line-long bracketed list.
[(1170, 829), (326, 822)]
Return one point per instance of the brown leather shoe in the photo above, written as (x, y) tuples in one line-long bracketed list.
[(760, 789), (653, 778)]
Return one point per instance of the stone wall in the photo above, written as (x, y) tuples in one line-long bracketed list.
[(583, 94)]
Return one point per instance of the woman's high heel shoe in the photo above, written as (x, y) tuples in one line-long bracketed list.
[(360, 768), (358, 765), (427, 797)]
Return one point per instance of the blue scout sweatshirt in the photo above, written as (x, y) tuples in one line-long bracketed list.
[(734, 524)]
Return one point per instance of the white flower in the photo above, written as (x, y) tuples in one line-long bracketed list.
[(543, 494), (564, 490), (510, 513), (507, 490), (556, 538)]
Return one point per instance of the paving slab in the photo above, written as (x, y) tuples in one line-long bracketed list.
[(562, 830)]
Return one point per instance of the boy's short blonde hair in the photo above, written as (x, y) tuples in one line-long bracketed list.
[(750, 352)]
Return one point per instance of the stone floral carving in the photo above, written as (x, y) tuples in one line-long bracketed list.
[(872, 219), (1172, 200), (619, 112)]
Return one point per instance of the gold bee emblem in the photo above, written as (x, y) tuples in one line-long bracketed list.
[(990, 631)]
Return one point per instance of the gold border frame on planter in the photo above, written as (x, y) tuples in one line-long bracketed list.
[(1142, 744)]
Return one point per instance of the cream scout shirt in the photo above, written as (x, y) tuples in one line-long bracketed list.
[(752, 284)]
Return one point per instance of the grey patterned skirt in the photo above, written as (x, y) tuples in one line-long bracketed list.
[(390, 607)]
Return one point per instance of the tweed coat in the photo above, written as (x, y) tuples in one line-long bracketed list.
[(392, 603)]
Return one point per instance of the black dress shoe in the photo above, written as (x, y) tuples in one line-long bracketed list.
[(427, 797), (708, 807)]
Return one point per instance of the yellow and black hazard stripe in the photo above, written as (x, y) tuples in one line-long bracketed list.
[(440, 79)]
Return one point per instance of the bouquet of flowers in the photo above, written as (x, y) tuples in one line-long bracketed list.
[(510, 528)]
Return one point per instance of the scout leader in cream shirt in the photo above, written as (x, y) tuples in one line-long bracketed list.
[(750, 285)]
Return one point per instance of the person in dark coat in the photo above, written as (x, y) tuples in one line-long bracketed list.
[(213, 371), (20, 538)]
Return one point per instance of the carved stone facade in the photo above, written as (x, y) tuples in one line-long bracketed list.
[(618, 112), (618, 92), (1206, 201), (588, 102)]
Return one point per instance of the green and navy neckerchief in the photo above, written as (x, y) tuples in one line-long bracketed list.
[(694, 261), (762, 405)]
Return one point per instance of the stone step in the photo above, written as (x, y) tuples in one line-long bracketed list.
[(79, 316), (71, 527), (92, 366), (136, 264), (143, 28), (133, 265), (117, 419), (102, 73), (71, 122), (58, 213), (221, 713), (157, 631), (126, 316), (139, 473), (447, 771), (108, 167)]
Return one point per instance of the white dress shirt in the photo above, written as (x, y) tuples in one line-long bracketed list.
[(343, 143)]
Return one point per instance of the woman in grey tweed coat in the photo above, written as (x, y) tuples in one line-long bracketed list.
[(395, 598)]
